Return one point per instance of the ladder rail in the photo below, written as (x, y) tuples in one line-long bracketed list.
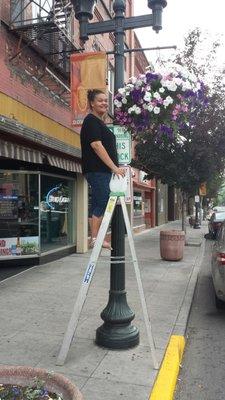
[(139, 283), (88, 275)]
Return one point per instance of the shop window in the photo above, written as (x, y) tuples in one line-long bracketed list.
[(19, 214), (56, 212)]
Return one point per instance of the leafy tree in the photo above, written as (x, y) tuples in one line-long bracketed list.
[(199, 155)]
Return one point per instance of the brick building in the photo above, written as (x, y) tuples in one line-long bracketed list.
[(43, 196)]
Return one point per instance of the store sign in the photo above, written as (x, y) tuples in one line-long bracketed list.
[(19, 246), (55, 197), (123, 143)]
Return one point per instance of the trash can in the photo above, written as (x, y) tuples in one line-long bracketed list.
[(172, 245)]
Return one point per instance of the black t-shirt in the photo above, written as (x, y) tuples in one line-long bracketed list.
[(93, 130)]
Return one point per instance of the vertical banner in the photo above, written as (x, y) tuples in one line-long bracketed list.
[(88, 71)]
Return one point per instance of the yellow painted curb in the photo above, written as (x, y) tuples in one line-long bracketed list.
[(166, 379)]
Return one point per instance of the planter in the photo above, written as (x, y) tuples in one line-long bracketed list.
[(172, 245), (24, 376)]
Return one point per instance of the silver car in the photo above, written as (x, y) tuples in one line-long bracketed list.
[(218, 267)]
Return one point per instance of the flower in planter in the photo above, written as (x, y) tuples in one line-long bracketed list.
[(159, 102)]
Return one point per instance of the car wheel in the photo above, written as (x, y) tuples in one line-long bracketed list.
[(219, 303)]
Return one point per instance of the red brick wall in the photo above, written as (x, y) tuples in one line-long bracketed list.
[(18, 84)]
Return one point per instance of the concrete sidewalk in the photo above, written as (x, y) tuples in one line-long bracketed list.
[(36, 306)]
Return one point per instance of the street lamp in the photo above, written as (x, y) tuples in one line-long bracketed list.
[(117, 331)]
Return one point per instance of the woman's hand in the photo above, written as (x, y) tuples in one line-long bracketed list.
[(119, 171)]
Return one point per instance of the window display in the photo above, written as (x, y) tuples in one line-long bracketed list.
[(18, 214), (56, 212), (36, 213)]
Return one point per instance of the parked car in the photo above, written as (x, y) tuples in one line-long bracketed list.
[(218, 267), (215, 223), (219, 209)]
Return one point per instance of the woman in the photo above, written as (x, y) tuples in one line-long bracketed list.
[(99, 158)]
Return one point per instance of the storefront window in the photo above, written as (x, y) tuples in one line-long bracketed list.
[(138, 218), (36, 213), (19, 214), (56, 212)]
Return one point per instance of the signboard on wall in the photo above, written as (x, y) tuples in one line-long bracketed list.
[(19, 246)]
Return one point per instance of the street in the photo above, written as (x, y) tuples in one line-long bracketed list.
[(202, 373)]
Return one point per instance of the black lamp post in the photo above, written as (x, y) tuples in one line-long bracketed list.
[(117, 331)]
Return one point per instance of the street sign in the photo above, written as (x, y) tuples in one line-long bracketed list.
[(129, 191), (123, 143), (197, 199)]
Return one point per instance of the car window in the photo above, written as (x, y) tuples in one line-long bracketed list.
[(220, 216)]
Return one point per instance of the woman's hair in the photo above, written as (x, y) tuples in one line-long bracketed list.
[(91, 94)]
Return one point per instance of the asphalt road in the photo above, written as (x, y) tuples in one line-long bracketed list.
[(202, 376)]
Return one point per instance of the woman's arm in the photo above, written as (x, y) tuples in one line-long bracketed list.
[(101, 152)]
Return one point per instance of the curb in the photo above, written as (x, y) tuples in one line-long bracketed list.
[(166, 380)]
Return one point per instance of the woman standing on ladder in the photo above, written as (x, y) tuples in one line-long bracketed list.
[(99, 158)]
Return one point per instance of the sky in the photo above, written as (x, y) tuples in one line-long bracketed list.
[(179, 17)]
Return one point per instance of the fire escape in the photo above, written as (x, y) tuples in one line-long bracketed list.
[(48, 27)]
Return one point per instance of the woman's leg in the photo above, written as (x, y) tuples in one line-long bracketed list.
[(100, 194)]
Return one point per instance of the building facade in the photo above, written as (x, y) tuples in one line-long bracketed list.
[(43, 196)]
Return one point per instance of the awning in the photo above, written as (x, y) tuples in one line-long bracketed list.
[(22, 153), (17, 152), (64, 164)]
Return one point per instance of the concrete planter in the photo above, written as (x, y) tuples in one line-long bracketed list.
[(172, 245), (24, 376)]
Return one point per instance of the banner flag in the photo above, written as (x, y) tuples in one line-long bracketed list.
[(202, 189), (88, 71)]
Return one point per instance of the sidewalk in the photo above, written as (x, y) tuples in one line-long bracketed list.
[(36, 306)]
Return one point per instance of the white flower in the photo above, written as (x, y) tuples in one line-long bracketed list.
[(157, 96), (138, 83), (145, 106), (147, 96), (124, 100), (161, 90), (130, 110), (129, 86), (137, 110), (121, 91), (172, 86), (156, 110), (169, 99), (133, 79), (178, 81), (150, 107)]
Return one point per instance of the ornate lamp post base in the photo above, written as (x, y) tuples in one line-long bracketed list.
[(117, 331)]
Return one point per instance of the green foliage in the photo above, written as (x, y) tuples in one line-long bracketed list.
[(34, 391), (200, 156)]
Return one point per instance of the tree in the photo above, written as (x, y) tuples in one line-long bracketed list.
[(198, 156)]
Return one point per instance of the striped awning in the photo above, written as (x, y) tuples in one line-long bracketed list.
[(64, 164), (17, 152), (22, 153)]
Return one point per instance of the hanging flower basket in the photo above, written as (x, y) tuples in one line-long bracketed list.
[(159, 102)]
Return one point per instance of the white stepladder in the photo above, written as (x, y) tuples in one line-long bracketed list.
[(68, 337)]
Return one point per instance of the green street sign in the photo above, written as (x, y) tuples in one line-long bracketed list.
[(123, 143)]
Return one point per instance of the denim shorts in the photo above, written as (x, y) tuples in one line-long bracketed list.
[(99, 182)]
